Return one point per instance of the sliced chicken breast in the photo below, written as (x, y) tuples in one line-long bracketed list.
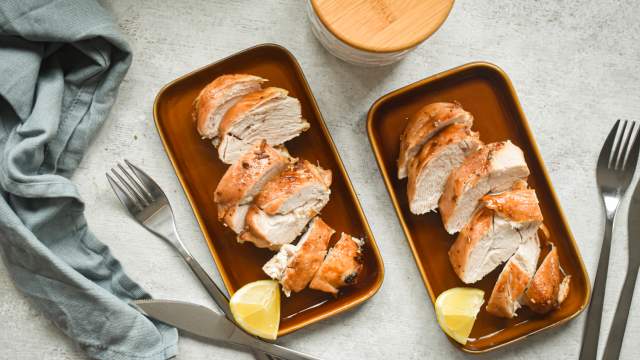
[(267, 114), (301, 186), (234, 217), (243, 180), (273, 231), (507, 295), (217, 97), (495, 233), (492, 168), (277, 265), (259, 242), (486, 242), (429, 170), (520, 206), (549, 287), (425, 124), (294, 266), (286, 204), (341, 267)]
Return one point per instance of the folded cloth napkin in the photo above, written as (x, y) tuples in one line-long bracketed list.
[(61, 63)]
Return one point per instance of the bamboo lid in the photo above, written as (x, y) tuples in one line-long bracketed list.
[(382, 25)]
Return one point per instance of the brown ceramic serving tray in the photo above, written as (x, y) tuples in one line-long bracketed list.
[(197, 166), (485, 91)]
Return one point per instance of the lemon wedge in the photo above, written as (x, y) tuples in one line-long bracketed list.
[(256, 308), (456, 310)]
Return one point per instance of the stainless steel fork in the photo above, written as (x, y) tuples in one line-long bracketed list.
[(148, 204), (616, 165)]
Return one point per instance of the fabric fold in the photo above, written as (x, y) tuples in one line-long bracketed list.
[(62, 64)]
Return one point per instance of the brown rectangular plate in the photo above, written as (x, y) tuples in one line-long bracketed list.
[(485, 91), (197, 166)]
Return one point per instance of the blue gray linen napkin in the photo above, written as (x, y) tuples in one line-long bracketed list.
[(61, 63)]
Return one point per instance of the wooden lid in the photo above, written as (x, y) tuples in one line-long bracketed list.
[(382, 25)]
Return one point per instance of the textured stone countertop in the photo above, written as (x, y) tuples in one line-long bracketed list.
[(575, 65)]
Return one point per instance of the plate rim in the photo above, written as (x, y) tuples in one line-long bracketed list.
[(536, 152), (329, 140)]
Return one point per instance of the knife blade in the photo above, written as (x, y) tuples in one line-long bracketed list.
[(194, 318), (620, 318), (208, 323), (634, 213)]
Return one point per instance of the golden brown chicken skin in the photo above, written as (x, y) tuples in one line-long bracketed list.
[(341, 267), (308, 259), (549, 286)]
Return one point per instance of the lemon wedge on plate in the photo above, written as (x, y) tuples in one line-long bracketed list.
[(456, 310), (256, 308)]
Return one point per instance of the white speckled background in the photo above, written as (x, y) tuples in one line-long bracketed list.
[(575, 65)]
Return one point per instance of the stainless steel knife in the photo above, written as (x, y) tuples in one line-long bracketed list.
[(619, 324), (210, 324)]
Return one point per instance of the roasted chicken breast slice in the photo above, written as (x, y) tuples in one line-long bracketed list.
[(244, 179), (286, 204), (234, 217), (301, 186), (495, 233), (341, 267), (549, 286), (507, 295), (295, 266), (519, 206), (217, 97), (273, 231), (429, 170), (493, 167), (423, 125), (268, 114), (482, 245)]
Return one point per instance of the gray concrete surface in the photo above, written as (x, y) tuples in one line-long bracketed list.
[(575, 65)]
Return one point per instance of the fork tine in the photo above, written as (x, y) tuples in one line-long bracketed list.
[(136, 183), (605, 153), (146, 181), (616, 149), (632, 158), (130, 189), (624, 149), (123, 196)]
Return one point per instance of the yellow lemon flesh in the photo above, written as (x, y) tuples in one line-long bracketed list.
[(256, 308), (456, 310)]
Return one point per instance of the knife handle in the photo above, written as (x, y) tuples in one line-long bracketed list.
[(278, 351), (614, 342), (591, 333)]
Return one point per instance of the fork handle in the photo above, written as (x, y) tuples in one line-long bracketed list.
[(591, 333), (212, 288), (209, 285), (616, 335)]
